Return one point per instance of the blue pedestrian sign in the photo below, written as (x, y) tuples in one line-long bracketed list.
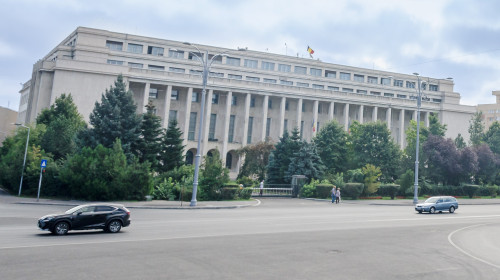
[(44, 163)]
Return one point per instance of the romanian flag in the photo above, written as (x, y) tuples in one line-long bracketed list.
[(314, 126), (310, 51)]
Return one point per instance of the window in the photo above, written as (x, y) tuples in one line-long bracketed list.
[(315, 72), (300, 70), (211, 127), (156, 67), (115, 62), (114, 46), (250, 128), (284, 68), (253, 79), (361, 91), (217, 59), (347, 90), (172, 115), (195, 72), (153, 93), (267, 65), (177, 70), (189, 158), (286, 83), (319, 108), (155, 51), (359, 78), (398, 83), (215, 98), (229, 160), (192, 125), (385, 81), (196, 56), (333, 88), (175, 54), (330, 74), (302, 84), (401, 96), (286, 105), (318, 86), (345, 76), (216, 74), (270, 103), (231, 128), (134, 48), (303, 107), (270, 81), (433, 88), (268, 127), (410, 84), (389, 94), (234, 100), (301, 128), (285, 125), (252, 102), (135, 65), (436, 100), (195, 97), (236, 77), (233, 61), (375, 93), (372, 80), (250, 63), (174, 95)]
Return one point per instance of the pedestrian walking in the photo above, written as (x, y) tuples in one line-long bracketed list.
[(334, 194), (337, 194), (261, 187)]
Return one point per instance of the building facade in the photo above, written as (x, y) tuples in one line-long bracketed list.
[(491, 112), (251, 96), (7, 119)]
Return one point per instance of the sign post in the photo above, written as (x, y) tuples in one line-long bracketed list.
[(43, 164)]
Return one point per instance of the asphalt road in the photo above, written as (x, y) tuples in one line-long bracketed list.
[(278, 239)]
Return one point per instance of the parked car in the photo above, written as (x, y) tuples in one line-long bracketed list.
[(109, 217), (438, 203)]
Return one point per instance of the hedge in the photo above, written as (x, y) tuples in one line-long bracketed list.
[(388, 190), (352, 190), (323, 190)]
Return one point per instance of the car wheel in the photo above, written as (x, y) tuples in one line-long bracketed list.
[(114, 226), (61, 228), (452, 209), (420, 211), (432, 210)]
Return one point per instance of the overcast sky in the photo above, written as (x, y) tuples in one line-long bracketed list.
[(436, 38)]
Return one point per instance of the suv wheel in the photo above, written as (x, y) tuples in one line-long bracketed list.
[(114, 226), (452, 209), (432, 210), (61, 228)]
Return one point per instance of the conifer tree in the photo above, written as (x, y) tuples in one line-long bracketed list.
[(152, 132), (172, 150), (476, 129), (305, 162)]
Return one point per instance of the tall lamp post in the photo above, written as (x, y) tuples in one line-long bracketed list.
[(419, 102), (25, 152), (206, 64)]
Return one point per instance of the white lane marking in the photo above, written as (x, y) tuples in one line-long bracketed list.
[(258, 203), (465, 252)]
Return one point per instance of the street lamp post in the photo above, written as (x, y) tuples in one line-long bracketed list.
[(206, 64), (419, 102), (25, 152)]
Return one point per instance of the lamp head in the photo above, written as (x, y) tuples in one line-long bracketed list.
[(187, 43), (416, 74)]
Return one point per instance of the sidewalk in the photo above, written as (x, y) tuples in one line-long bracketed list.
[(155, 204)]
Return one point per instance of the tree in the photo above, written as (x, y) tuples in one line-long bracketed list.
[(256, 159), (460, 142), (371, 175), (435, 127), (331, 143), (214, 176), (476, 129), (172, 150), (150, 143), (63, 124), (372, 143), (488, 164), (492, 137), (281, 157), (305, 162), (115, 118), (408, 160)]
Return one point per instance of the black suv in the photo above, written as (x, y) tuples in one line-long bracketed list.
[(109, 217)]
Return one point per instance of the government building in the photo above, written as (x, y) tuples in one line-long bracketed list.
[(251, 95)]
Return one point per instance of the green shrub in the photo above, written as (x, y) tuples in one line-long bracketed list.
[(323, 190), (470, 190), (245, 193), (388, 190), (352, 190), (228, 193), (493, 190), (309, 190), (246, 181), (164, 190)]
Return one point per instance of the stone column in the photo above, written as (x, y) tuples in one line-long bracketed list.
[(402, 128), (282, 116), (145, 97), (206, 120), (346, 117), (245, 122), (299, 113), (375, 114), (388, 117), (315, 118), (227, 117), (415, 115), (427, 119), (265, 107), (166, 106), (331, 111), (188, 115), (361, 113)]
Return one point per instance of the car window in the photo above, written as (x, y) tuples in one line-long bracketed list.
[(86, 209), (103, 208), (431, 200)]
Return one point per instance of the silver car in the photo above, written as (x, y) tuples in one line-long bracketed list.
[(438, 203)]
